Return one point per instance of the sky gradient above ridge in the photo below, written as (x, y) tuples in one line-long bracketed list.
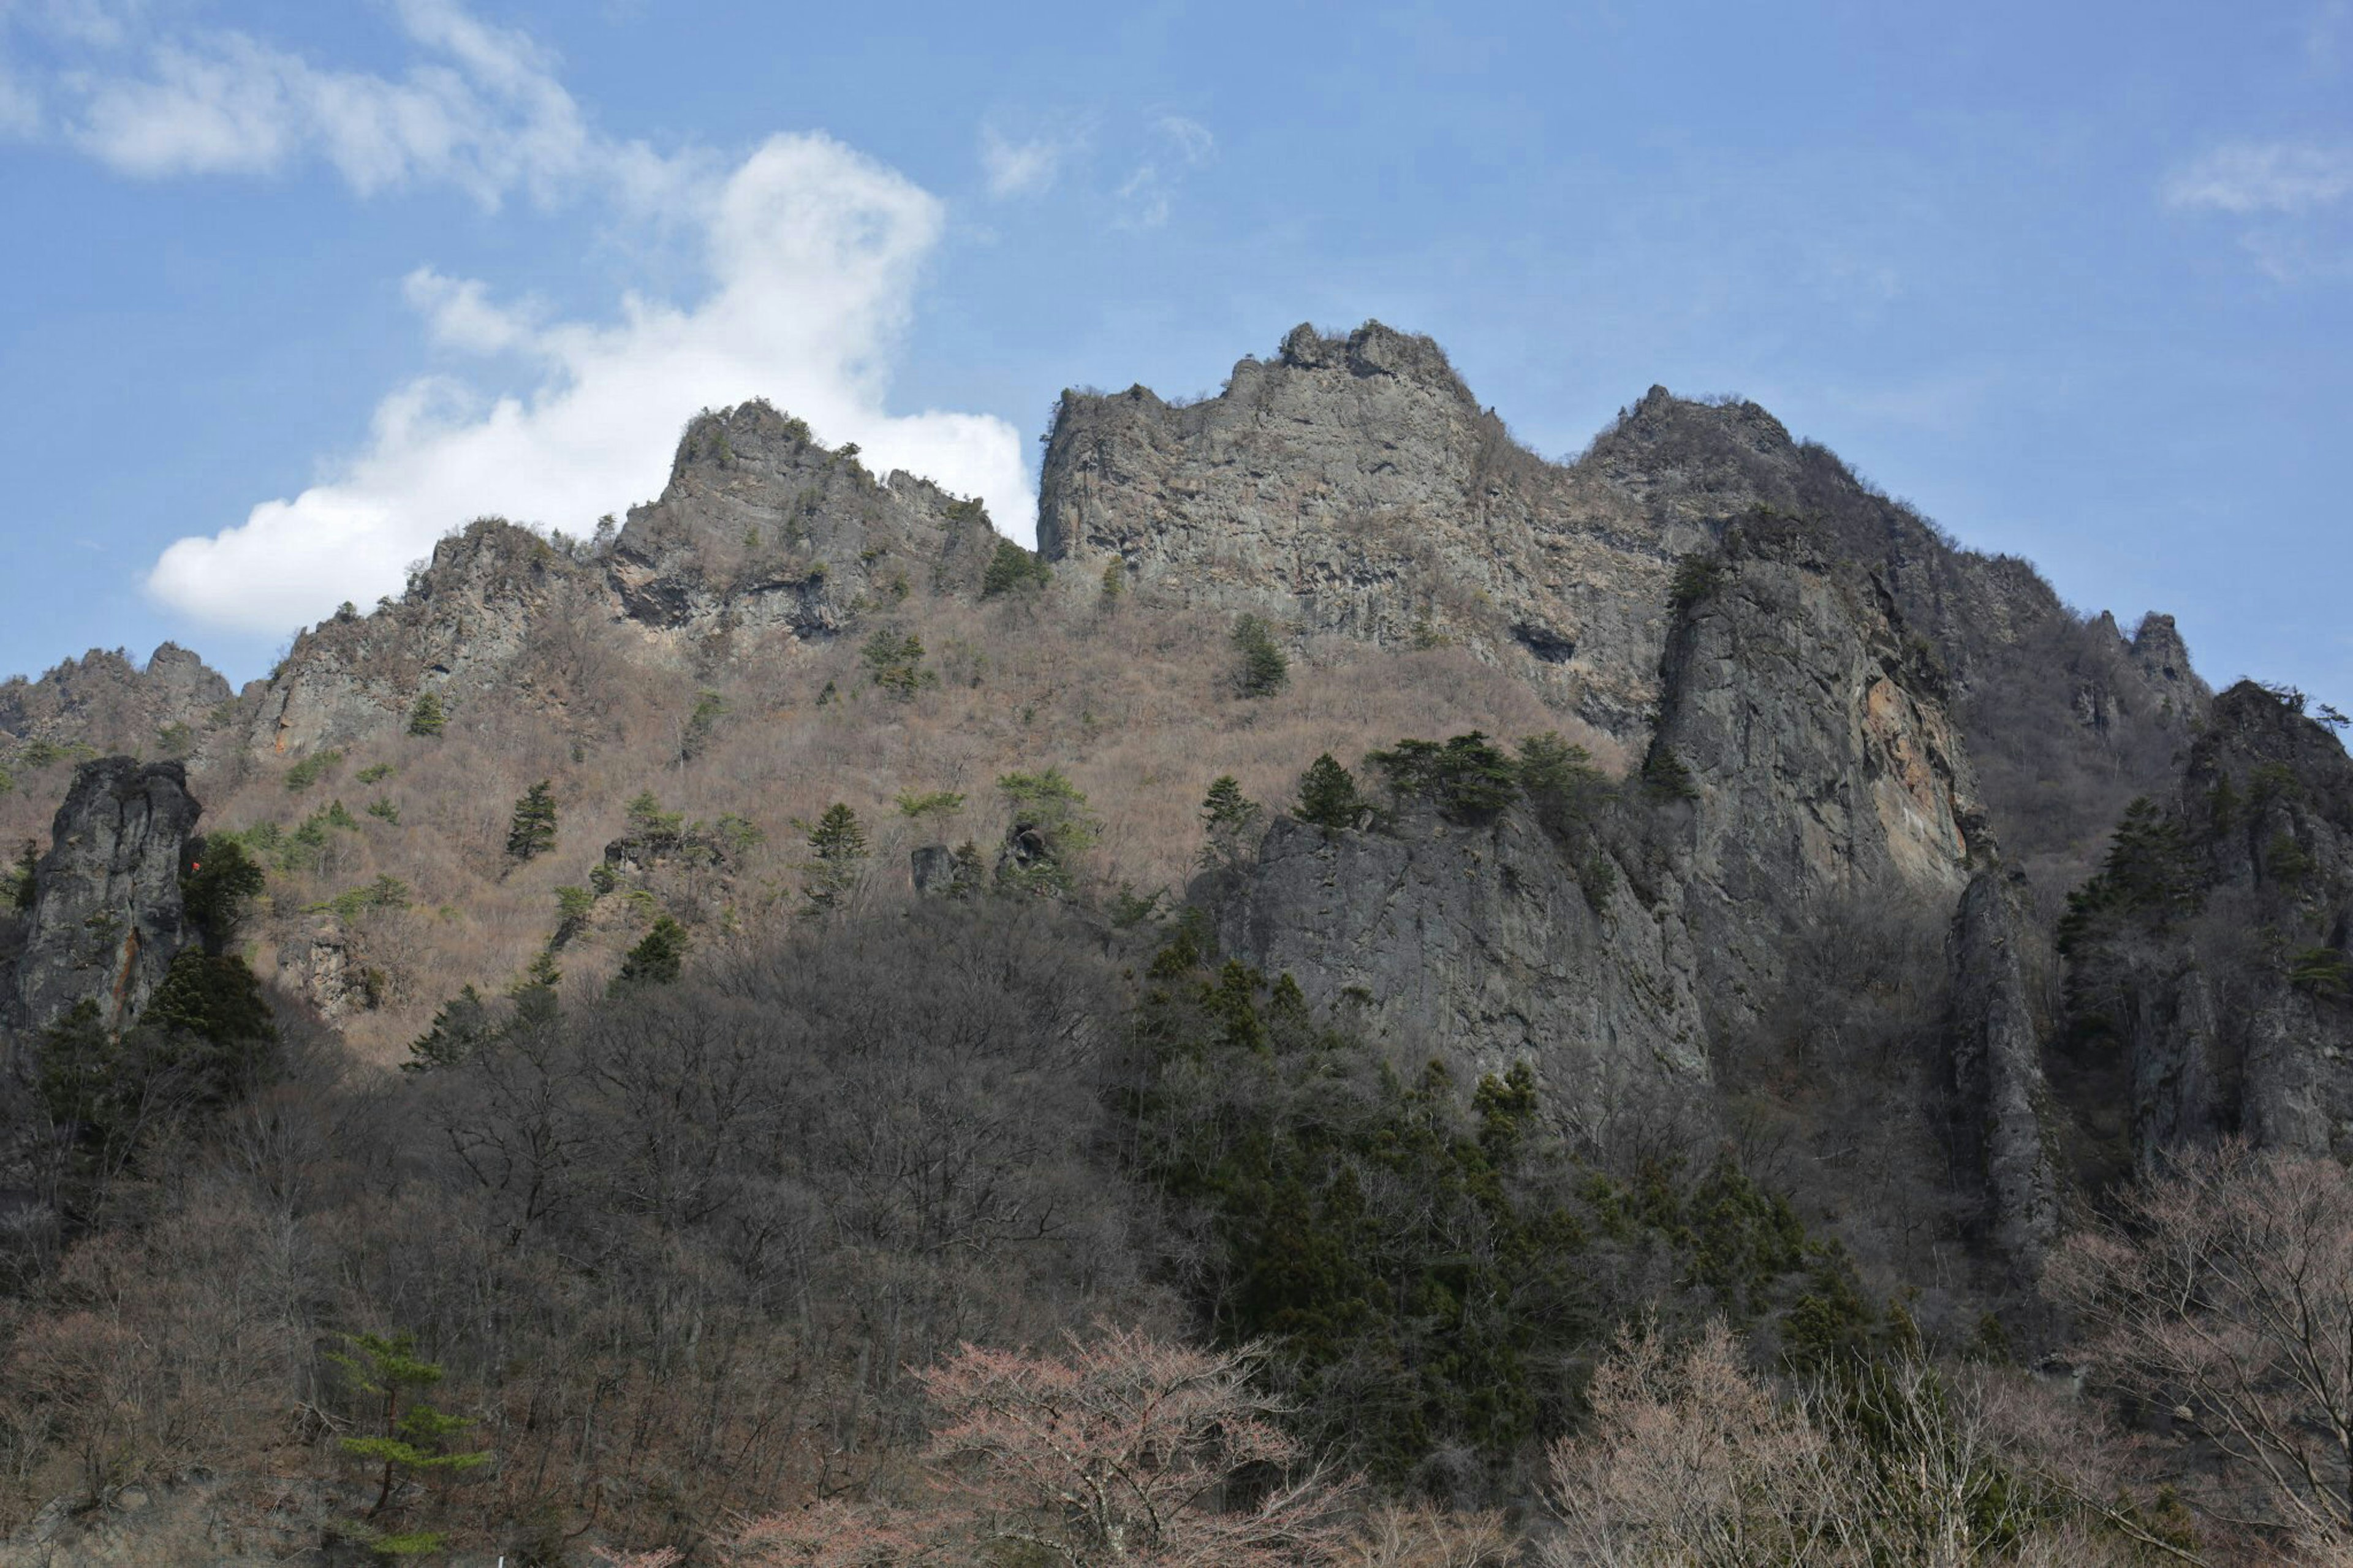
[(295, 289)]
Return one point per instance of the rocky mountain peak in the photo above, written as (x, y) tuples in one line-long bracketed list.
[(105, 700)]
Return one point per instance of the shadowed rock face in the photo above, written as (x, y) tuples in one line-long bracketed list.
[(107, 918), (1997, 1073), (2211, 973), (1479, 939)]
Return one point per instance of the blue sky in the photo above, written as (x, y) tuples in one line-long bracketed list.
[(2075, 280)]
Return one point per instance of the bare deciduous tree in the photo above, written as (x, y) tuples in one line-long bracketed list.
[(1129, 1450), (2221, 1288)]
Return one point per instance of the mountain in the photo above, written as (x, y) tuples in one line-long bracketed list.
[(1764, 840)]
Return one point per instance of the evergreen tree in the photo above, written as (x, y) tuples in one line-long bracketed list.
[(1013, 567), (531, 830), (655, 960), (839, 842), (221, 881), (1327, 796), (535, 996), (459, 1030), (427, 718), (1263, 670), (29, 861), (413, 1438), (1229, 815)]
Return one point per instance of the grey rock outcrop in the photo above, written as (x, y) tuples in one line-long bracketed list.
[(2210, 965), (1355, 487), (107, 919), (761, 538), (1809, 730), (105, 701), (1997, 1080), (1478, 940)]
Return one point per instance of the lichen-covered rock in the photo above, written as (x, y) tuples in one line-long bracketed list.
[(1480, 942), (107, 918), (1997, 1079)]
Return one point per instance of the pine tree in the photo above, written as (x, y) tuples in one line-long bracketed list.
[(457, 1032), (221, 881), (655, 960), (427, 717), (1327, 796), (1263, 669), (414, 1440), (1229, 815), (839, 842), (531, 830)]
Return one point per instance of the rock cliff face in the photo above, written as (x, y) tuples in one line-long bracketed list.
[(1353, 487), (1483, 940), (107, 919), (1808, 728), (1997, 1080), (102, 700), (761, 536), (2210, 988)]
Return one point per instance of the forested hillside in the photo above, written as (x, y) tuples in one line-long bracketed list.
[(1379, 999)]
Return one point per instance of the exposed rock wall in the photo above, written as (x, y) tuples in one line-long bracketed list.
[(1820, 761), (103, 700), (761, 534), (1479, 941), (2211, 968), (1353, 487), (107, 918), (1996, 1078)]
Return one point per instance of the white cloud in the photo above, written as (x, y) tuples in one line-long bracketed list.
[(1024, 168), (2252, 177), (483, 113), (813, 250)]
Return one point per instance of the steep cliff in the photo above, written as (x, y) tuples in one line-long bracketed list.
[(1481, 940), (107, 919), (1353, 487), (2210, 986), (1999, 1093), (1807, 729)]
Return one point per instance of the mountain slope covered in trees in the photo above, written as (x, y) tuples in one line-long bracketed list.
[(1360, 896)]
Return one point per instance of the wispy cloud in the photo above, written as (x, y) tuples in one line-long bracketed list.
[(2248, 177), (1028, 167), (481, 110), (811, 252), (1147, 195)]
